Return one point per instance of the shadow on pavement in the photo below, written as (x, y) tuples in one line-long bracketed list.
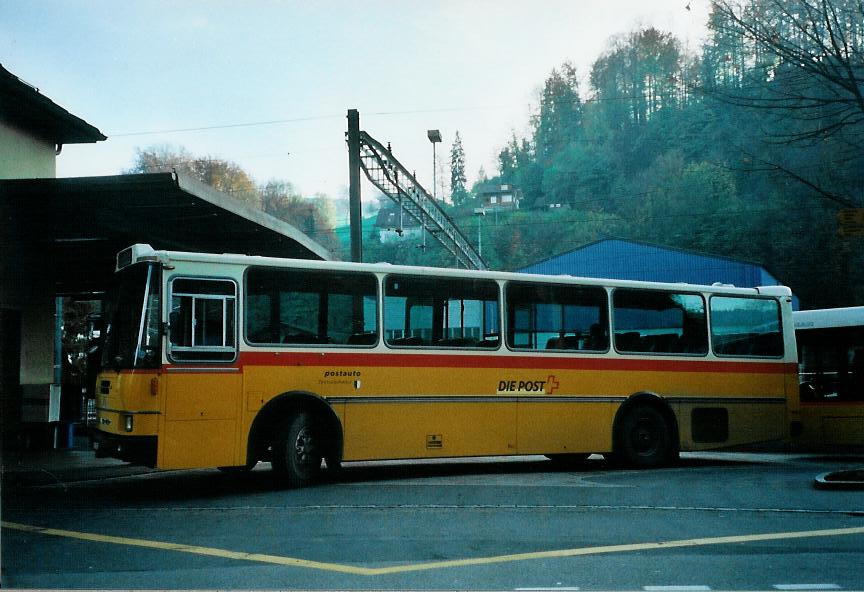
[(79, 479)]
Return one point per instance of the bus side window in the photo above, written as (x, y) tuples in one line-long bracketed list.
[(831, 365), (557, 318), (659, 322), (300, 307), (457, 313)]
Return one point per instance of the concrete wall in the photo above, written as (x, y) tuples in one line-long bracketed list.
[(27, 286), (23, 156), (27, 300), (26, 296), (37, 342)]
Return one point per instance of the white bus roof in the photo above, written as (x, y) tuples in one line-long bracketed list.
[(142, 252), (825, 318)]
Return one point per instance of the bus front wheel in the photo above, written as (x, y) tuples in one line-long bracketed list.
[(298, 450), (645, 438)]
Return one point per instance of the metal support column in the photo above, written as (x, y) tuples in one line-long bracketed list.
[(354, 205)]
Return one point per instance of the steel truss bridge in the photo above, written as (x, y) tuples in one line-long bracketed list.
[(387, 174)]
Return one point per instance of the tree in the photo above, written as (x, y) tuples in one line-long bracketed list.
[(482, 183), (312, 216), (724, 57), (805, 76), (223, 175), (507, 157), (815, 46), (458, 180), (481, 175), (574, 177), (560, 118), (518, 166), (652, 160), (639, 75)]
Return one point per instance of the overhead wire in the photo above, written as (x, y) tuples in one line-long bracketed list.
[(483, 107)]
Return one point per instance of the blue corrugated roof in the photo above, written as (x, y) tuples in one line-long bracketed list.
[(621, 259)]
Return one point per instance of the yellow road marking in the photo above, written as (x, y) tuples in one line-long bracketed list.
[(212, 552), (378, 571)]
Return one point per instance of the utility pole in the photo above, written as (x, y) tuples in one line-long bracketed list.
[(479, 212), (354, 205)]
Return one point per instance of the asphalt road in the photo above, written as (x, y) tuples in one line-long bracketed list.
[(716, 521)]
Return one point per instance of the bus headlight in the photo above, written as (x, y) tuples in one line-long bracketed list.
[(129, 423)]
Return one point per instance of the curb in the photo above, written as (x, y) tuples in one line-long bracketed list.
[(841, 480)]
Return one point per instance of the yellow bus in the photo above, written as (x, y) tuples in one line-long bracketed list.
[(831, 354), (227, 360)]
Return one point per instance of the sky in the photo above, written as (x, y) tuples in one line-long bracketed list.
[(267, 84)]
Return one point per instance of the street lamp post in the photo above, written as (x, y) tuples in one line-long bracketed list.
[(434, 137), (479, 212)]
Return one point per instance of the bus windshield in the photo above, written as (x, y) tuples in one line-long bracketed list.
[(132, 328)]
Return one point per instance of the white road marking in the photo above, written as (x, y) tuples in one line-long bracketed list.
[(792, 587), (548, 589), (676, 588)]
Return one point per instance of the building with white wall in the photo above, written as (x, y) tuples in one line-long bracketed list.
[(59, 237)]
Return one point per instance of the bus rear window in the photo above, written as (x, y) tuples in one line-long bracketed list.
[(746, 327)]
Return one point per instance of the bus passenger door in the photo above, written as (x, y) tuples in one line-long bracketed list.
[(204, 383), (201, 413)]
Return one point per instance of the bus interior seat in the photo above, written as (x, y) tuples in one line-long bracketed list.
[(598, 338), (767, 344), (305, 338), (663, 343), (367, 338), (571, 342), (555, 343), (628, 341), (735, 345), (565, 342), (410, 341), (457, 342)]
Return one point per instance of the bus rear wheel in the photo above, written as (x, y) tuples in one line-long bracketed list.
[(298, 450), (645, 438)]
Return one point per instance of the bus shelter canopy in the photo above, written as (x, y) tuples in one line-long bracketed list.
[(72, 228)]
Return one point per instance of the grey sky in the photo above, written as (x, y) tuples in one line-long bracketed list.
[(408, 66)]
